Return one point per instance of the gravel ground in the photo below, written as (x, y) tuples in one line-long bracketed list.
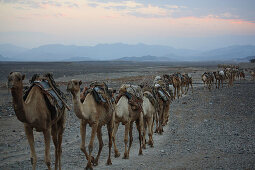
[(206, 130)]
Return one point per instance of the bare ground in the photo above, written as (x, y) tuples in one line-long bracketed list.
[(207, 130)]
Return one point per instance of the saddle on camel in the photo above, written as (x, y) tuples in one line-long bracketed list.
[(134, 95), (101, 93), (55, 98)]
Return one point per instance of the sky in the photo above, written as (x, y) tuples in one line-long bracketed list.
[(193, 24)]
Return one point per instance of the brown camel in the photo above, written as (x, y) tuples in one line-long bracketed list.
[(252, 74), (186, 82), (208, 79), (127, 115), (35, 112), (96, 115), (175, 81), (163, 99)]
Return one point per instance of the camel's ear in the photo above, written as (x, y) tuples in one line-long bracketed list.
[(114, 91), (11, 73), (23, 76), (80, 82)]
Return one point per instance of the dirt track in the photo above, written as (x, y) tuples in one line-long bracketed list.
[(207, 130)]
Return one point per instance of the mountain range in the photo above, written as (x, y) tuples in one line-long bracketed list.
[(120, 51)]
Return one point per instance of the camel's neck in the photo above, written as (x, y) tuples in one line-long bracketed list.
[(77, 105), (18, 104)]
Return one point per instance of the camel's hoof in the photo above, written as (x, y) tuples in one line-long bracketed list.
[(109, 162), (144, 147), (140, 153), (150, 143), (95, 163), (89, 168), (92, 159), (125, 156), (117, 154)]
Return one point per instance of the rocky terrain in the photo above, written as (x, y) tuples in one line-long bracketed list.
[(206, 129)]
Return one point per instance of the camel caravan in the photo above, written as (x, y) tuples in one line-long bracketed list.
[(42, 106), (228, 73)]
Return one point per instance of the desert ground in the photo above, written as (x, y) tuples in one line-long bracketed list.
[(206, 129)]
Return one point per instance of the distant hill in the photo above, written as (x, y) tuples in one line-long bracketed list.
[(2, 58), (125, 52), (78, 59), (246, 59), (228, 53), (98, 52), (9, 50), (145, 58)]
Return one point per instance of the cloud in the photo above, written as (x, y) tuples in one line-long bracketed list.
[(136, 9), (24, 4)]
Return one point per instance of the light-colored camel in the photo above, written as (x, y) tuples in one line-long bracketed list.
[(150, 111), (229, 74), (35, 112), (126, 115), (218, 79), (252, 74), (96, 115)]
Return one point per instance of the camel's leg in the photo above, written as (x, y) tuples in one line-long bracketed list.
[(156, 121), (130, 137), (83, 137), (178, 92), (141, 125), (191, 87), (161, 121), (115, 129), (61, 128), (150, 132), (187, 88), (55, 141), (110, 129), (144, 132), (100, 141), (138, 126), (93, 134), (46, 134), (175, 91), (127, 126), (30, 138)]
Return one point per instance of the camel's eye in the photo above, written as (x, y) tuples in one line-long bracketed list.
[(75, 83), (19, 78)]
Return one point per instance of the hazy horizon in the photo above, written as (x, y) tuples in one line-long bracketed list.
[(197, 24)]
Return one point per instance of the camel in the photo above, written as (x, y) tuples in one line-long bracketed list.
[(252, 74), (175, 81), (219, 76), (127, 115), (36, 113), (96, 115), (208, 79), (163, 99), (150, 111), (229, 74), (186, 82), (242, 75)]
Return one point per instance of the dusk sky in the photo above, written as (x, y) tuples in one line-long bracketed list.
[(194, 24)]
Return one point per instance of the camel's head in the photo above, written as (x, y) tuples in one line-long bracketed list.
[(15, 80), (73, 86)]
